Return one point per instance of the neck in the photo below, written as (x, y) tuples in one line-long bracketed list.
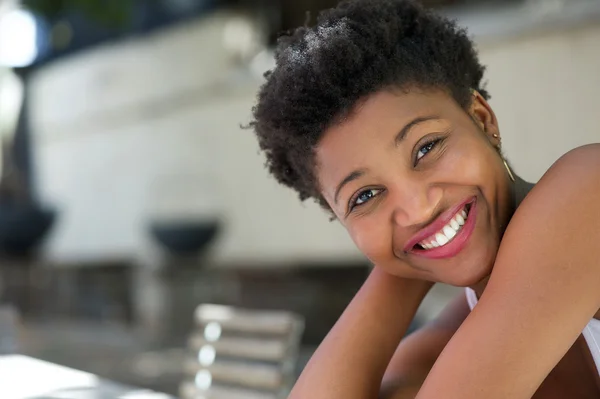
[(520, 189)]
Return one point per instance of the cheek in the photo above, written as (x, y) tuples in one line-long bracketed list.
[(472, 163), (480, 166), (466, 160), (373, 239)]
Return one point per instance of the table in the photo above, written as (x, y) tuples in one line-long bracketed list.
[(24, 377)]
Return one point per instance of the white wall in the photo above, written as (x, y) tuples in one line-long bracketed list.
[(108, 123), (545, 94), (112, 124)]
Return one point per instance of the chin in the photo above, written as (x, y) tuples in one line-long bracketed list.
[(472, 272), (468, 280)]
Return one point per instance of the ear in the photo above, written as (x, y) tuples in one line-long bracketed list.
[(484, 117)]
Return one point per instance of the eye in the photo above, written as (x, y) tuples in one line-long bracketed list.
[(363, 197), (426, 148)]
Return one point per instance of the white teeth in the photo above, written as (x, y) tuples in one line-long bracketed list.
[(454, 224), (447, 233), (441, 239)]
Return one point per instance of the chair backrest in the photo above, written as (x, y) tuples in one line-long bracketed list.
[(241, 353)]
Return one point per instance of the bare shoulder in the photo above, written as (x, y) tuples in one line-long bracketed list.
[(589, 153), (556, 228), (572, 182), (562, 211), (577, 168)]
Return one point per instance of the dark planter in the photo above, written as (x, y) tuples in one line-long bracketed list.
[(185, 237), (24, 227)]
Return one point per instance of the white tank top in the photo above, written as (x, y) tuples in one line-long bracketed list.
[(591, 332)]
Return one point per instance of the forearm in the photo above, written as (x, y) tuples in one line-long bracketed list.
[(401, 391), (352, 359)]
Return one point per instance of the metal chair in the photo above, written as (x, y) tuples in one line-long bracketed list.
[(241, 353)]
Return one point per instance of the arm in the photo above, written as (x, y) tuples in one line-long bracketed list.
[(543, 291), (351, 360), (417, 353)]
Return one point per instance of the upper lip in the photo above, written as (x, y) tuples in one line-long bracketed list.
[(436, 225)]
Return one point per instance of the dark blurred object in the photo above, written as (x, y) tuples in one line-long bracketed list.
[(23, 227), (24, 223), (96, 292), (68, 26), (112, 13), (185, 237)]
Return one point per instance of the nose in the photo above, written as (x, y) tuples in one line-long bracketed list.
[(415, 202)]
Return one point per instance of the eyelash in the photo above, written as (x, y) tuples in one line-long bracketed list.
[(356, 197), (352, 203), (431, 144)]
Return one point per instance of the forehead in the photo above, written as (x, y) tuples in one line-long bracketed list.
[(345, 146)]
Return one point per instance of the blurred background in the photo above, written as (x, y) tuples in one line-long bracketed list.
[(129, 194)]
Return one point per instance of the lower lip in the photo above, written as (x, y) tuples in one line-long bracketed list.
[(458, 242)]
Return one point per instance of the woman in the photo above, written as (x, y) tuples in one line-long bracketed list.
[(379, 114)]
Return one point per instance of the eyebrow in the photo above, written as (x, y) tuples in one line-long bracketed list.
[(404, 131), (397, 140), (352, 176)]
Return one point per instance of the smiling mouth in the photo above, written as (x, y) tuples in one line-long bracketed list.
[(447, 233)]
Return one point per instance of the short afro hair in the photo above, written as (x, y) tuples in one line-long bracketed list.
[(354, 50)]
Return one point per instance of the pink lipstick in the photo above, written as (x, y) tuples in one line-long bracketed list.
[(447, 235)]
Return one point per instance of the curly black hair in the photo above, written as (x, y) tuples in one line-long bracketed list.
[(354, 50)]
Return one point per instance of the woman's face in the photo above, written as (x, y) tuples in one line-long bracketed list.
[(402, 171)]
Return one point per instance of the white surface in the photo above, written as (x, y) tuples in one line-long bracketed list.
[(23, 377)]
